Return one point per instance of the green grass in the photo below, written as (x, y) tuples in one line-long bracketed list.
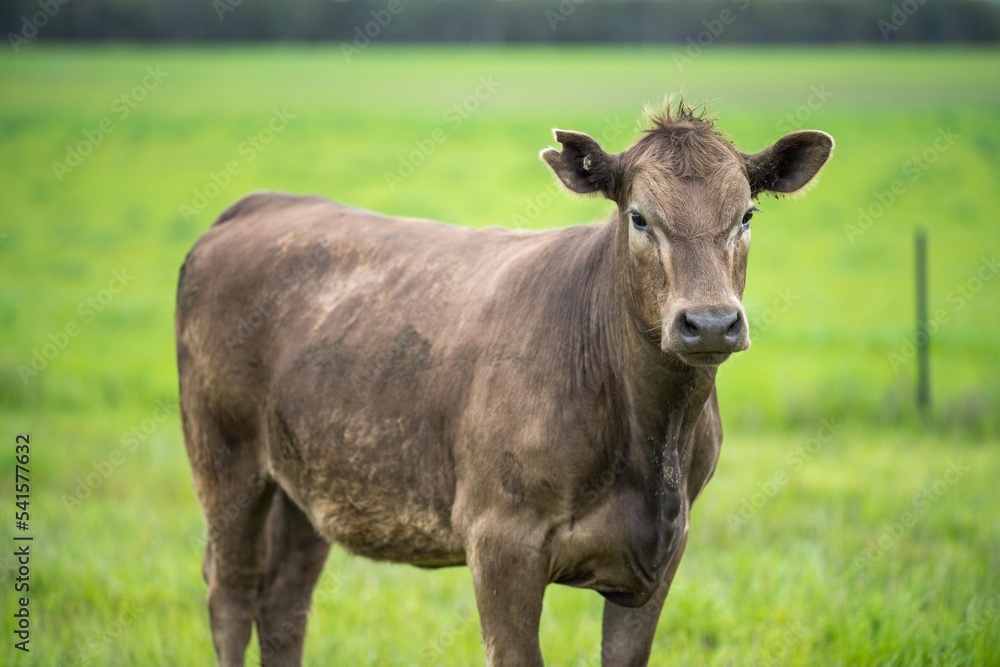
[(116, 578)]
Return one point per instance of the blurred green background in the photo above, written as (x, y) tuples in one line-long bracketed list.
[(833, 532)]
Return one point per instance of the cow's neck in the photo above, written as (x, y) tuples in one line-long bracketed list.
[(663, 396)]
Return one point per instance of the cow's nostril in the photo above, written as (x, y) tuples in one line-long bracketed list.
[(688, 329), (734, 330)]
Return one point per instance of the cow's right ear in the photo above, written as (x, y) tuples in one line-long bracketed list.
[(582, 166)]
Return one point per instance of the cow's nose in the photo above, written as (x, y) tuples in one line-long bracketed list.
[(710, 330)]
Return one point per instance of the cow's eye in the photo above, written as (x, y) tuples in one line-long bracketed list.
[(746, 219), (638, 221)]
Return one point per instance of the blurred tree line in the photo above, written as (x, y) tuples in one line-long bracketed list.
[(504, 21)]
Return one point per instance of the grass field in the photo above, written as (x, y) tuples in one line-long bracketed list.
[(840, 529)]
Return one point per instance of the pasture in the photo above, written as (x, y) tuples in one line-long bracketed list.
[(840, 527)]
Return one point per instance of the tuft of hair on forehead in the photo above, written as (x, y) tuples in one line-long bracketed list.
[(684, 140), (672, 113)]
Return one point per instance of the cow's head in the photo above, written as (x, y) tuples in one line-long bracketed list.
[(685, 198)]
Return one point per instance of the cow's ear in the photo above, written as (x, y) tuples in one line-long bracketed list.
[(582, 166), (790, 164)]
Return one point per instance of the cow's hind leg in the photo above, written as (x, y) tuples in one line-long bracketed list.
[(295, 558), (235, 498), (237, 564)]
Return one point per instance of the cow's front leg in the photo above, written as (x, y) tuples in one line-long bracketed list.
[(509, 573), (627, 633)]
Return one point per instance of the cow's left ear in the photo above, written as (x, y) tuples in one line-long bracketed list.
[(583, 166), (790, 164)]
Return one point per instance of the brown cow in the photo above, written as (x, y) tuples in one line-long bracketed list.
[(539, 406)]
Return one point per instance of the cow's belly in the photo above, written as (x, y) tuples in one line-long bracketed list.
[(383, 492), (385, 531), (378, 522)]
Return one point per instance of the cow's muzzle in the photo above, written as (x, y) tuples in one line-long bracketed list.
[(707, 336)]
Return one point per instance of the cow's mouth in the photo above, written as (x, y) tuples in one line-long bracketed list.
[(704, 358)]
